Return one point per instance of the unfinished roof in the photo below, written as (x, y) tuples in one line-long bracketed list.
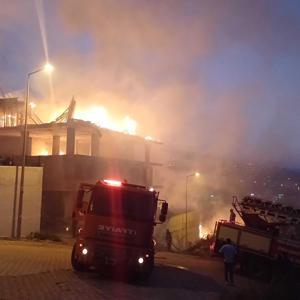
[(81, 127), (10, 102)]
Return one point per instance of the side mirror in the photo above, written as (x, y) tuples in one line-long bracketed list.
[(162, 218), (79, 199), (163, 212), (164, 208)]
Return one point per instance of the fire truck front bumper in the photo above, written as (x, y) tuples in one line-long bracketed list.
[(131, 257), (99, 255)]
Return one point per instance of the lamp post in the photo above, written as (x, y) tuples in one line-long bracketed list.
[(47, 68), (196, 174)]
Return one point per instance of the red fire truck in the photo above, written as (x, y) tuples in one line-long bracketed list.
[(113, 223)]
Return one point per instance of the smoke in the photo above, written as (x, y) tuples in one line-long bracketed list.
[(216, 75), (209, 72)]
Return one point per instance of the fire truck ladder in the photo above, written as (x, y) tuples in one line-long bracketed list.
[(270, 212), (236, 206)]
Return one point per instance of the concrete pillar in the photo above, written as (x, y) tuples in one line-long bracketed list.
[(70, 149), (56, 145), (95, 144)]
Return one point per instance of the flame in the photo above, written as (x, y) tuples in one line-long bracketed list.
[(203, 233), (44, 152), (148, 138), (129, 125), (100, 116), (32, 105)]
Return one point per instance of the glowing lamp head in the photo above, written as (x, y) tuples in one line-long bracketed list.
[(112, 182), (48, 68), (197, 174), (84, 251)]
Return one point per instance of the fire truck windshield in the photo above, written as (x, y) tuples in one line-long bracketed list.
[(132, 205)]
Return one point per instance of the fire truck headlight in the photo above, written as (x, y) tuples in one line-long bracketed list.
[(84, 251), (141, 260)]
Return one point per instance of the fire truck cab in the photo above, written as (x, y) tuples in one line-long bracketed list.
[(113, 224)]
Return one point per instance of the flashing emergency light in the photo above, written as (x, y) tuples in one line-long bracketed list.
[(112, 182)]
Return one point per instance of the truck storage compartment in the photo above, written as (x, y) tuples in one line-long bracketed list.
[(255, 242)]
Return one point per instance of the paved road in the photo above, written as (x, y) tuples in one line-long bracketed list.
[(41, 270)]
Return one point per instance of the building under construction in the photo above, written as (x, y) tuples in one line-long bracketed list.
[(70, 151)]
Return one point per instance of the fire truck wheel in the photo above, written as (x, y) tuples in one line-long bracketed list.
[(77, 266)]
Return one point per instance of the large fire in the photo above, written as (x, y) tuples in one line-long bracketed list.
[(97, 115), (100, 116)]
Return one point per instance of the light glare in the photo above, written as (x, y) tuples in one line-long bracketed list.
[(141, 260), (48, 68)]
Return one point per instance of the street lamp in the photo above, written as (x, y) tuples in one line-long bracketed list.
[(48, 68), (196, 174)]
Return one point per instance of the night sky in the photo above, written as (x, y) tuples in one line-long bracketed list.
[(217, 77)]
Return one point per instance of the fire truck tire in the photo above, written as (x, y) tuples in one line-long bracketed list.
[(77, 266), (256, 268)]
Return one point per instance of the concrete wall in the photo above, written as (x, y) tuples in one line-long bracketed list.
[(177, 227), (31, 200), (115, 145), (10, 145), (63, 175)]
